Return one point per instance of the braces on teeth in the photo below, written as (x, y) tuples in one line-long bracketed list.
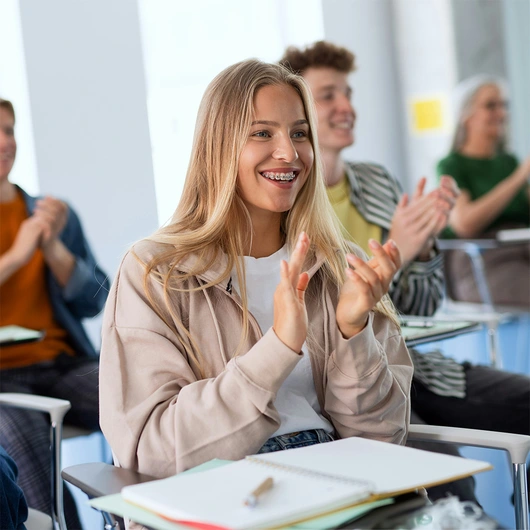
[(280, 176)]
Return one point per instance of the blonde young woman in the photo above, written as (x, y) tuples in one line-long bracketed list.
[(247, 324), (494, 193)]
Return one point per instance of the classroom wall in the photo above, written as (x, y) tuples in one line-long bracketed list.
[(366, 28), (76, 74), (88, 105)]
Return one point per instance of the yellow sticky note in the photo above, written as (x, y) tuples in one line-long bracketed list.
[(427, 115)]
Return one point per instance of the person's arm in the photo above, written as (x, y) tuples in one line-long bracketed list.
[(60, 261), (370, 371), (470, 217), (13, 505), (82, 284), (416, 222), (368, 383), (418, 287), (159, 416), (26, 243), (53, 213)]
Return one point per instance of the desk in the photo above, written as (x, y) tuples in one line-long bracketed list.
[(515, 235), (512, 236), (417, 331), (111, 478)]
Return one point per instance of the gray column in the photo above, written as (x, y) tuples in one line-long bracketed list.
[(87, 96), (366, 29)]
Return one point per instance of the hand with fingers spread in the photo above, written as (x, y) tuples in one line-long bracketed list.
[(290, 314), (365, 285), (418, 220)]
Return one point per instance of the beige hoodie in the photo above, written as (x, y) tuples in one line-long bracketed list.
[(160, 417)]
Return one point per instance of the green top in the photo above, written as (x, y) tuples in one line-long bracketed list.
[(479, 175)]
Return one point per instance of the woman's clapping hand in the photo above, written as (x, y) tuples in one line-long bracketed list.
[(290, 314), (365, 285)]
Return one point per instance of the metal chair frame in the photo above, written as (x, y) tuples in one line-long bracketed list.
[(56, 409)]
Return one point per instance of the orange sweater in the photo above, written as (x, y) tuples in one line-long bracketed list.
[(24, 299)]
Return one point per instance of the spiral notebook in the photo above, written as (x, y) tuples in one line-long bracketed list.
[(307, 482)]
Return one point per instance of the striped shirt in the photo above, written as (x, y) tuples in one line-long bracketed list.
[(418, 288)]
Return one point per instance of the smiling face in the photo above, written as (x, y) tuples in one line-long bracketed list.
[(8, 144), (488, 112), (336, 116), (278, 154)]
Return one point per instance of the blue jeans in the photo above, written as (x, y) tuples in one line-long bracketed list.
[(296, 439)]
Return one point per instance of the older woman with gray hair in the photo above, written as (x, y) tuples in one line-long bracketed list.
[(495, 193)]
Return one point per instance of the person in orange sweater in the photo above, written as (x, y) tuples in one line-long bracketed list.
[(49, 280)]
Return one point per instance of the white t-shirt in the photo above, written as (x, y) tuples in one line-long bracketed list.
[(296, 401)]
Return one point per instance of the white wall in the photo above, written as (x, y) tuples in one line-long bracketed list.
[(516, 21), (366, 29), (186, 45), (14, 87), (427, 65), (88, 104), (87, 98)]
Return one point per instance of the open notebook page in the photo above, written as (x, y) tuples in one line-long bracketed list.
[(392, 468), (217, 496)]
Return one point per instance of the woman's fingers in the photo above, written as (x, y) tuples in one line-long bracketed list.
[(367, 273), (387, 259), (303, 282), (394, 253), (297, 259), (380, 270)]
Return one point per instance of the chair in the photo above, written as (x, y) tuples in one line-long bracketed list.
[(98, 479), (516, 445), (486, 311), (56, 408)]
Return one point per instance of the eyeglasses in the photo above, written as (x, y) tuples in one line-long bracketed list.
[(494, 105)]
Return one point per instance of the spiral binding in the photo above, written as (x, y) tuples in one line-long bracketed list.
[(370, 486)]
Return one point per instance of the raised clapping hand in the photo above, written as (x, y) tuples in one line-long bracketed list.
[(418, 220), (363, 289), (27, 241), (290, 314), (53, 214), (365, 286)]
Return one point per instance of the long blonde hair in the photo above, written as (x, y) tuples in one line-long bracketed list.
[(211, 218)]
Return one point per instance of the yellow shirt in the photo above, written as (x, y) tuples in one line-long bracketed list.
[(354, 226), (24, 299)]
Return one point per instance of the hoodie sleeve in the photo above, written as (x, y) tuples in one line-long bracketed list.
[(158, 415), (368, 383)]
